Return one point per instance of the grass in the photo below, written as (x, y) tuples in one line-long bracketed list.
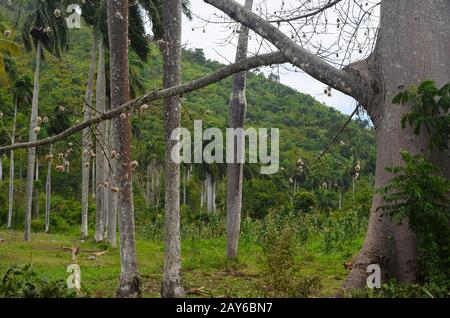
[(204, 264)]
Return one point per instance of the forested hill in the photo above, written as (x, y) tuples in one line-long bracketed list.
[(306, 125)]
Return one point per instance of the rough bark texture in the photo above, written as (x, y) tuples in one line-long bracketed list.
[(32, 138), (100, 158), (130, 282), (11, 170), (235, 170), (413, 45), (86, 146), (171, 50)]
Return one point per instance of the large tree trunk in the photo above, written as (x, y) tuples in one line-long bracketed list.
[(48, 191), (32, 137), (11, 170), (100, 147), (413, 45), (86, 144), (171, 50), (130, 282), (235, 170)]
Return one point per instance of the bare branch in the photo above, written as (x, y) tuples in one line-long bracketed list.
[(244, 65), (346, 82)]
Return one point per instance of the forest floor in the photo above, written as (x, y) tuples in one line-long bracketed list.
[(206, 272)]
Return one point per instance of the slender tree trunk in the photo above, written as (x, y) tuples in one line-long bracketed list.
[(86, 144), (184, 185), (171, 50), (130, 282), (32, 138), (48, 192), (1, 167), (210, 193), (11, 170), (112, 197), (148, 186), (420, 31), (100, 158), (238, 104)]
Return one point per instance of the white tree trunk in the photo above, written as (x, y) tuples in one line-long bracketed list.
[(32, 138), (235, 170), (86, 149), (111, 197), (48, 191), (11, 170), (101, 140)]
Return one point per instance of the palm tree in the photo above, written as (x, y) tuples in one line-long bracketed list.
[(22, 91), (95, 15), (59, 122), (44, 28), (130, 282), (238, 105), (8, 48)]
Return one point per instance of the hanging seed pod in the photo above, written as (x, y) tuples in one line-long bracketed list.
[(114, 189), (7, 33), (60, 168), (144, 107), (134, 165), (57, 13), (291, 180), (325, 185), (113, 154), (49, 157), (39, 120), (45, 120), (85, 152), (70, 145), (61, 109), (90, 144), (123, 116), (61, 156), (37, 130), (86, 164)]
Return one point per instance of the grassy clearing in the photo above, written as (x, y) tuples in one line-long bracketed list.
[(204, 264)]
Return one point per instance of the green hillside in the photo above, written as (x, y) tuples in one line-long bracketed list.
[(306, 126)]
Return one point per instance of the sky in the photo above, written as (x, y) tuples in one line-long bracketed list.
[(211, 37)]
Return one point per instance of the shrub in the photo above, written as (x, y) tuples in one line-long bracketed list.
[(23, 282), (304, 202), (419, 194), (281, 272)]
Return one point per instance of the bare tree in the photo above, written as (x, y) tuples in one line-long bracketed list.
[(130, 282), (410, 47), (238, 104), (171, 50)]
